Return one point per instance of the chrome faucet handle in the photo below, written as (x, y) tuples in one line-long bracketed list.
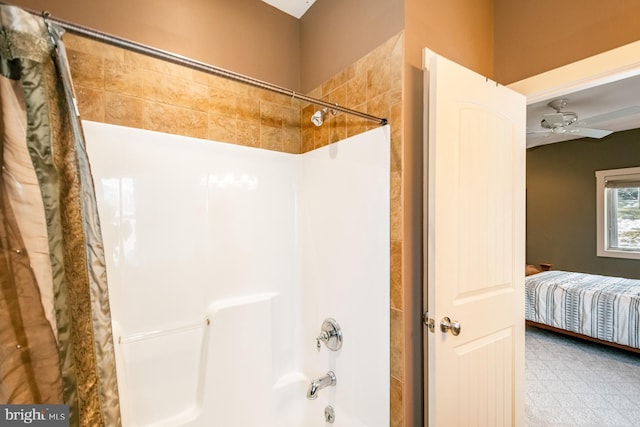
[(331, 335), (323, 337)]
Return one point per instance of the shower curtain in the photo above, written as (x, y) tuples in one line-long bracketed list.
[(56, 345)]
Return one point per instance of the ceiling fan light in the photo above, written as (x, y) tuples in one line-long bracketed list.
[(558, 129)]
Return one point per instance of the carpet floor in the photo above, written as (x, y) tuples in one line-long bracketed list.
[(571, 382)]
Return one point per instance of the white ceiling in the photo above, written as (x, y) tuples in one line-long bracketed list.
[(295, 8), (588, 103)]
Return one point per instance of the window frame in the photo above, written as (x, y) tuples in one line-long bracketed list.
[(604, 211)]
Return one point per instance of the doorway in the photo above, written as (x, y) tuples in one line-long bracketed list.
[(618, 67)]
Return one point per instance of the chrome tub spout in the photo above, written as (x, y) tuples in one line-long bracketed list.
[(320, 383)]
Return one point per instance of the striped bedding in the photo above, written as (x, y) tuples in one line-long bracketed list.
[(603, 307)]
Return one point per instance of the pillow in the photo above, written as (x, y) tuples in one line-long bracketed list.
[(530, 269)]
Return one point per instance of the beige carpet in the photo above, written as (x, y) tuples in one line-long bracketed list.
[(571, 382)]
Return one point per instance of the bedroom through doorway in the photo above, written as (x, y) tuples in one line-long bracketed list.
[(571, 381)]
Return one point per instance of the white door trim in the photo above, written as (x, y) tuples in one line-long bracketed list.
[(610, 66)]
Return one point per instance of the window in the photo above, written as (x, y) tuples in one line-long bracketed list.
[(618, 215)]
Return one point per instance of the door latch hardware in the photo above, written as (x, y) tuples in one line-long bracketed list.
[(429, 322), (446, 325)]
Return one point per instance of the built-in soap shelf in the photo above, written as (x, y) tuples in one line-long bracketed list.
[(162, 332)]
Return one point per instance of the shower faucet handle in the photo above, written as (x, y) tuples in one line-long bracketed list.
[(322, 338), (330, 335)]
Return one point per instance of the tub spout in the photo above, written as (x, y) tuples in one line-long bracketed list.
[(319, 384)]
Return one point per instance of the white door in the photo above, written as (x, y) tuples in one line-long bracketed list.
[(474, 248)]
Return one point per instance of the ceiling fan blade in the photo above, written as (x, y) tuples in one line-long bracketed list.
[(591, 133), (539, 134), (617, 114)]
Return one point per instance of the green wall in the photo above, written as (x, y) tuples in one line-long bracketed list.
[(561, 202)]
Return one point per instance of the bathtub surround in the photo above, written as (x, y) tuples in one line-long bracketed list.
[(118, 87), (257, 249)]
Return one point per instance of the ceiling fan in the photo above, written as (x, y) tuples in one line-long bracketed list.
[(567, 122)]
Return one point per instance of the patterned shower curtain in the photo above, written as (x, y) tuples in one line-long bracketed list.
[(56, 345)]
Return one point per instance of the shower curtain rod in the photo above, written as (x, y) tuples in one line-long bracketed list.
[(200, 66)]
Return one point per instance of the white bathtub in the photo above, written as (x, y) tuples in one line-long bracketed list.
[(223, 261)]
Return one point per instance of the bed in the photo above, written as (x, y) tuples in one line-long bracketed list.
[(600, 308)]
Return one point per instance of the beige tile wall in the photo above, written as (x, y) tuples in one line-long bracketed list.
[(117, 86), (120, 87)]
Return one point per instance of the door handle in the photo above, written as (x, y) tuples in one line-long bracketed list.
[(446, 325)]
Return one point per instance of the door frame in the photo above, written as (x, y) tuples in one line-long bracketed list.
[(606, 67)]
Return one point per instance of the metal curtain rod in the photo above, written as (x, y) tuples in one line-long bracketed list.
[(201, 66)]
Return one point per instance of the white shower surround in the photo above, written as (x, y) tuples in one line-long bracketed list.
[(223, 261)]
